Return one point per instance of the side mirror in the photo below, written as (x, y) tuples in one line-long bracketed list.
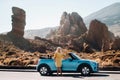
[(70, 59)]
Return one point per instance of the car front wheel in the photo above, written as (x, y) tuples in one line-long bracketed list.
[(85, 70), (44, 70)]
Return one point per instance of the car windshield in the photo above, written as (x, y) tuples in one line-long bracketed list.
[(74, 56)]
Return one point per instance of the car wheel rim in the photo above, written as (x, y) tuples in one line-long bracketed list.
[(43, 70), (85, 70)]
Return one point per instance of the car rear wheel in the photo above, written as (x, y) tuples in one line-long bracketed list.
[(85, 70), (44, 70)]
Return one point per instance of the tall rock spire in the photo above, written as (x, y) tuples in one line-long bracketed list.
[(71, 24), (18, 21)]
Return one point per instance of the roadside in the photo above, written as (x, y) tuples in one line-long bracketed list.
[(18, 67), (110, 68), (33, 68)]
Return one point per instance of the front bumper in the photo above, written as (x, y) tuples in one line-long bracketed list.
[(96, 68)]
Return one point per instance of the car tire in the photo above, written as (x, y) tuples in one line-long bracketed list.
[(44, 70), (85, 70)]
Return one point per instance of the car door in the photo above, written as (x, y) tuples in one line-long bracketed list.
[(69, 64)]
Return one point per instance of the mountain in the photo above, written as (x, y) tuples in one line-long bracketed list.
[(109, 15), (38, 32)]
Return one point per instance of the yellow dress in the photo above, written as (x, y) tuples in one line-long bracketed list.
[(58, 57)]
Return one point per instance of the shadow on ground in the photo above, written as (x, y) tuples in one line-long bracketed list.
[(110, 72), (80, 76)]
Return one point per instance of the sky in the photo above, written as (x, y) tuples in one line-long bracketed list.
[(47, 13)]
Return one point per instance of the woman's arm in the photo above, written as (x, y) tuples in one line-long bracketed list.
[(54, 57)]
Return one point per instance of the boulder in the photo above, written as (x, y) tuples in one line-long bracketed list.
[(99, 36)]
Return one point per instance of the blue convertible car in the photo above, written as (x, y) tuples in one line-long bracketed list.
[(72, 64)]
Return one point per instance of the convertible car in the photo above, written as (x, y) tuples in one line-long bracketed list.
[(72, 64)]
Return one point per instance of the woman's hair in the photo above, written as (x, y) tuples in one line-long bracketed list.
[(59, 49)]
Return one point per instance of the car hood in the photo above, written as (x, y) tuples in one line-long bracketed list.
[(88, 60)]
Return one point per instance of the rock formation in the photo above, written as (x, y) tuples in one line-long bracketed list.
[(99, 36), (80, 44), (18, 24), (18, 21), (71, 32), (71, 24), (116, 44)]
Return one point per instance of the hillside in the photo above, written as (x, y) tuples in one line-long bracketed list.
[(115, 29), (38, 32), (109, 15)]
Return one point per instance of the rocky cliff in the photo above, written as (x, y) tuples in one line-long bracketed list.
[(99, 36), (71, 24), (71, 33)]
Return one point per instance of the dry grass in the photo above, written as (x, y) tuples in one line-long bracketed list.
[(13, 56)]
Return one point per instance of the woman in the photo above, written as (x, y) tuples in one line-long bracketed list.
[(58, 57)]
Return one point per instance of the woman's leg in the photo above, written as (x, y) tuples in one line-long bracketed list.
[(60, 71), (57, 71)]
